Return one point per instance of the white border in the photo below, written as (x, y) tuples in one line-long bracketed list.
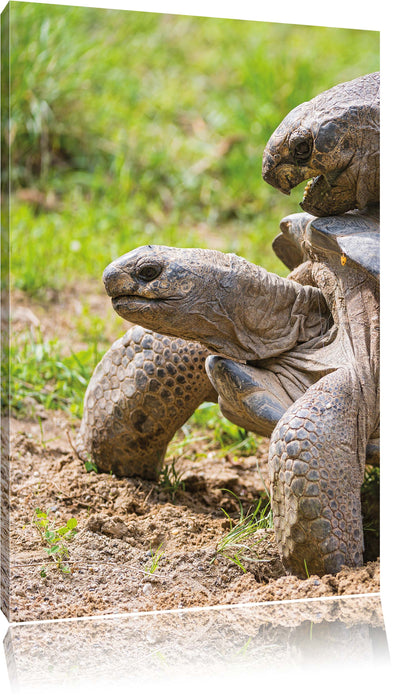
[(388, 19), (186, 611)]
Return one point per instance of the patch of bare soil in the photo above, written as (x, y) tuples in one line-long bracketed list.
[(122, 520), (125, 524)]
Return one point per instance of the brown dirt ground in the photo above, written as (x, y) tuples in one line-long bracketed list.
[(120, 520)]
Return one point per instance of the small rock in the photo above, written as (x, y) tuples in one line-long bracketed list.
[(152, 638), (94, 522), (115, 527), (126, 503), (147, 588)]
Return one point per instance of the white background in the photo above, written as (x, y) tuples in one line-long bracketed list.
[(388, 18)]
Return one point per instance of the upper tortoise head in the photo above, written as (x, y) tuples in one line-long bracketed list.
[(334, 139)]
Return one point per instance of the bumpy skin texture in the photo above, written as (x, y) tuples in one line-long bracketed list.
[(334, 139), (297, 359), (143, 390), (318, 449), (315, 487), (148, 385)]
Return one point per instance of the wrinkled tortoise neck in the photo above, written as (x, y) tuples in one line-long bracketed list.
[(272, 314)]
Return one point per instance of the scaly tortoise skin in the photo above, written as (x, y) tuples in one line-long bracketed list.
[(320, 446), (296, 359), (334, 139), (143, 390), (147, 385)]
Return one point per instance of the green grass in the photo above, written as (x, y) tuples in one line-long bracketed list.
[(39, 374), (150, 128), (236, 545), (170, 481), (146, 128), (218, 433), (226, 435), (150, 568)]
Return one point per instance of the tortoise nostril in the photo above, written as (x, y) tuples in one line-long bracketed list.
[(115, 280), (269, 163), (109, 274)]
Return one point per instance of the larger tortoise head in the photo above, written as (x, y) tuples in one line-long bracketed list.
[(334, 139), (228, 304)]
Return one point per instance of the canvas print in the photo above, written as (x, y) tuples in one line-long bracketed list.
[(235, 645), (190, 312)]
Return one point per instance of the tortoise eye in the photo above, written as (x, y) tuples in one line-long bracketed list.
[(303, 151), (149, 271), (301, 148)]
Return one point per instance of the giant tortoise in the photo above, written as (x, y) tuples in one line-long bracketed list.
[(295, 359)]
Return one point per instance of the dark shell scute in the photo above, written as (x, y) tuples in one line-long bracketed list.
[(354, 234)]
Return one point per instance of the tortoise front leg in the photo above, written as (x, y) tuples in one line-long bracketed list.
[(317, 461), (249, 396), (143, 390)]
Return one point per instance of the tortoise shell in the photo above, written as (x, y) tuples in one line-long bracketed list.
[(354, 235)]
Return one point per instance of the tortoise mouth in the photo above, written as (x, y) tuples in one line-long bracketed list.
[(323, 196), (318, 186), (283, 176), (131, 302), (310, 183)]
